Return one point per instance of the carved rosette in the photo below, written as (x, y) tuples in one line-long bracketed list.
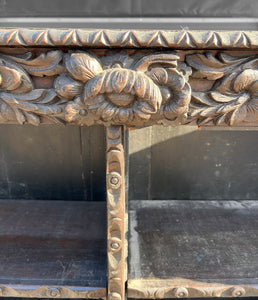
[(153, 87)]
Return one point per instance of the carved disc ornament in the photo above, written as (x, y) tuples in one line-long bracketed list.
[(135, 89)]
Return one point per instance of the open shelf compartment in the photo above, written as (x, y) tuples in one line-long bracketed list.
[(53, 249), (193, 249)]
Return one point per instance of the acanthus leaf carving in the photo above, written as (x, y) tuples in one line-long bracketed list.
[(13, 78), (28, 107), (233, 97), (138, 89), (46, 64), (19, 100)]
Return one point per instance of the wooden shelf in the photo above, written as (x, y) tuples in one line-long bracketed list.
[(193, 249), (53, 249)]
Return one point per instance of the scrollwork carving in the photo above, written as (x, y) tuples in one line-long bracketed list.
[(19, 100), (136, 90), (233, 98)]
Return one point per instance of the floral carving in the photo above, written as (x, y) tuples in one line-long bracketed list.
[(138, 89), (233, 98), (122, 95), (18, 99), (175, 91)]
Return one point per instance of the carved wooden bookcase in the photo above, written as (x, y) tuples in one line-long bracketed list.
[(133, 79)]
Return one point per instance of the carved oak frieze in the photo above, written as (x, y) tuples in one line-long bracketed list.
[(134, 89)]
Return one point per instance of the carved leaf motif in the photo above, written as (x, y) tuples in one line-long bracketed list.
[(10, 78), (245, 80), (168, 59), (28, 107), (66, 87), (207, 66), (82, 66), (13, 77), (233, 98), (222, 98), (44, 64)]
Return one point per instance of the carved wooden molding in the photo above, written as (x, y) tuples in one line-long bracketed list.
[(134, 89), (179, 39), (185, 288), (36, 291), (189, 80), (115, 214)]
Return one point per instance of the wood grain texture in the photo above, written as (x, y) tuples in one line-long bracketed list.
[(132, 89), (192, 249), (52, 249), (116, 214)]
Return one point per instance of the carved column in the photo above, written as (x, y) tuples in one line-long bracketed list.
[(115, 181)]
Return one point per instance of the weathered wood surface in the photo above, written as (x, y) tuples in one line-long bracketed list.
[(116, 240), (126, 38), (52, 249), (190, 81), (212, 243), (135, 89)]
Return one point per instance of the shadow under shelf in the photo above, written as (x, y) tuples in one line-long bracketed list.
[(53, 249), (193, 249)]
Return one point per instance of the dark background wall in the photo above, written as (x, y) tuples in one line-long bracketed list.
[(52, 162), (188, 163), (129, 8)]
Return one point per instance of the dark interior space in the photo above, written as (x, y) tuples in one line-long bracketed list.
[(206, 164), (52, 162)]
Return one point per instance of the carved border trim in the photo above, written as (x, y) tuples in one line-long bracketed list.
[(115, 178), (129, 38), (185, 288), (37, 291)]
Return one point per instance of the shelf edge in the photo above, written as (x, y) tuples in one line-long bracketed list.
[(185, 288)]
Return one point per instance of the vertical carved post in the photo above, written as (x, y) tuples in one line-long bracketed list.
[(115, 179)]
